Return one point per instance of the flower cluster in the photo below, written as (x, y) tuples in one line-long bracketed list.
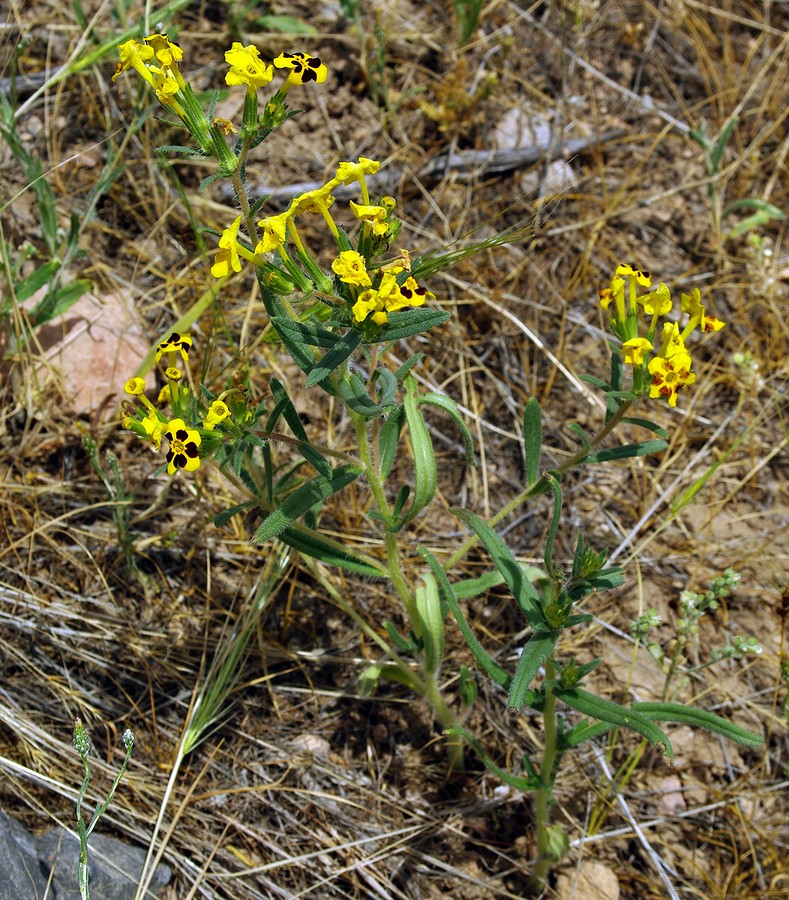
[(156, 60), (186, 442), (662, 369), (368, 292)]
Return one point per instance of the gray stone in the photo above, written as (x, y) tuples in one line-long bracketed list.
[(114, 867), (21, 877)]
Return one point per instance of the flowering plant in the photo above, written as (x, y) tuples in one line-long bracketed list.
[(338, 321)]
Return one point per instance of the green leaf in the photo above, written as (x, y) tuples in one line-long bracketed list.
[(59, 301), (334, 357), (583, 731), (483, 658), (645, 423), (389, 440), (614, 714), (532, 439), (305, 332), (403, 644), (354, 393), (699, 718), (522, 589), (304, 498), (558, 843), (538, 648), (627, 451), (36, 279), (408, 322), (303, 356), (312, 544), (431, 623), (425, 474), (284, 406), (595, 382), (224, 517), (448, 405), (526, 785), (385, 386)]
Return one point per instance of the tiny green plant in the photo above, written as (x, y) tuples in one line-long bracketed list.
[(82, 746), (339, 322), (683, 655), (762, 212)]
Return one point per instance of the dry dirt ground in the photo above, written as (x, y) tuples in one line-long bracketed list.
[(306, 788)]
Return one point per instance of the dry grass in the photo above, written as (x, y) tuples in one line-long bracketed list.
[(307, 789)]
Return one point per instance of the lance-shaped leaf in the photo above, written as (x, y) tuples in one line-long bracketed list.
[(284, 407), (538, 648), (699, 718), (614, 714), (425, 474), (354, 393), (408, 322), (389, 440), (334, 357), (484, 659), (646, 423), (303, 355), (304, 498), (515, 578), (448, 405), (625, 452), (306, 332), (313, 544), (431, 623)]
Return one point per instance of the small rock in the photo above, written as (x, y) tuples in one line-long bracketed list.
[(516, 130), (588, 880)]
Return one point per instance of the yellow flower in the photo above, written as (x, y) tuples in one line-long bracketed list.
[(227, 256), (173, 374), (413, 295), (672, 341), (164, 395), (167, 52), (692, 305), (176, 343), (246, 67), (135, 55), (275, 231), (355, 171), (369, 302), (134, 386), (184, 444), (303, 68), (375, 216), (350, 268), (642, 278), (154, 428), (657, 302), (164, 84), (313, 201), (389, 297), (217, 412), (634, 351), (668, 376)]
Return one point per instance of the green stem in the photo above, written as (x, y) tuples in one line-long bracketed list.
[(544, 794), (393, 565)]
